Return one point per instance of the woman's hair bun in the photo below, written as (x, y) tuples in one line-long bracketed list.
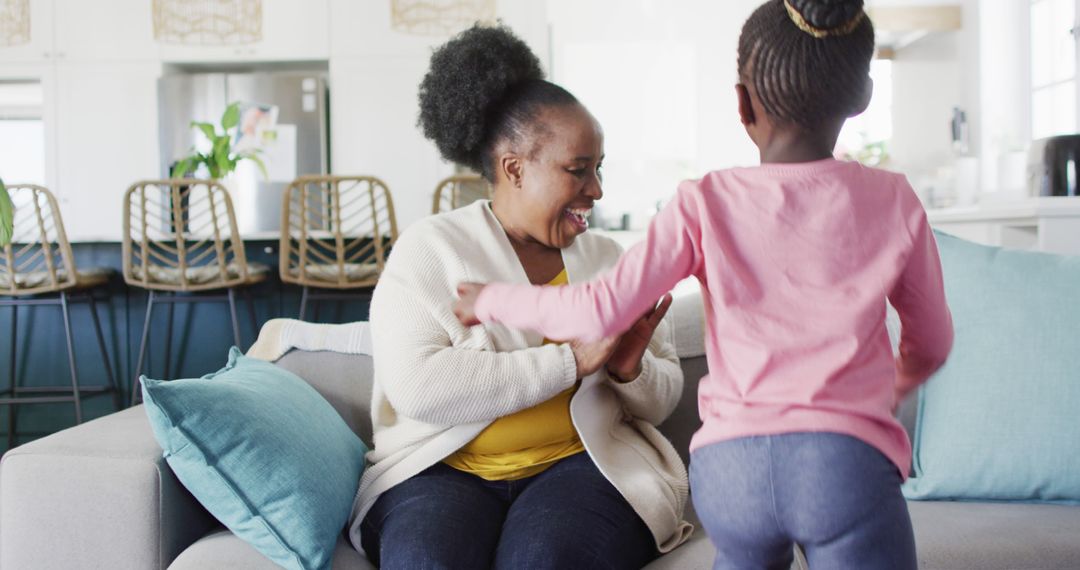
[(468, 78), (827, 14)]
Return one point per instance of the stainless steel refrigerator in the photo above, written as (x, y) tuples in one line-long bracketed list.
[(301, 138)]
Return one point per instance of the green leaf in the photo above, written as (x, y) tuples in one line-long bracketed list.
[(231, 117), (222, 146), (224, 165), (7, 216), (219, 156), (206, 128), (185, 166)]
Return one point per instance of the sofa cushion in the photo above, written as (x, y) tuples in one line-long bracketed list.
[(999, 421), (222, 549), (344, 380), (995, 536), (684, 421), (264, 453)]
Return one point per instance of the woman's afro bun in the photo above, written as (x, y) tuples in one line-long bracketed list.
[(467, 84)]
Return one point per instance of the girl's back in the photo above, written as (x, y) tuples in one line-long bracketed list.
[(796, 261)]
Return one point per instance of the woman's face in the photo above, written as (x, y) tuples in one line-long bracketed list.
[(549, 192)]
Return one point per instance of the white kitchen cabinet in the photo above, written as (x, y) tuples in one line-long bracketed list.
[(106, 119), (110, 30), (1050, 224), (292, 30), (40, 46), (365, 29)]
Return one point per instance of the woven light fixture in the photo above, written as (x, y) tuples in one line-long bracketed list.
[(208, 22), (439, 17), (14, 22)]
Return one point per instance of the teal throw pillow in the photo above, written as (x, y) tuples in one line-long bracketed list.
[(264, 453), (1001, 420)]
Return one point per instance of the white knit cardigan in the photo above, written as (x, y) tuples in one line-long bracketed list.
[(438, 384)]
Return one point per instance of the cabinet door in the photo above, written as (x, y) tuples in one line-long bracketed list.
[(40, 46), (366, 29), (107, 139), (91, 31), (292, 30)]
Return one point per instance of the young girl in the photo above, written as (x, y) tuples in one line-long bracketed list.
[(795, 258)]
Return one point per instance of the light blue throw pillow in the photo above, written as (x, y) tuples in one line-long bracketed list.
[(264, 453), (1001, 419)]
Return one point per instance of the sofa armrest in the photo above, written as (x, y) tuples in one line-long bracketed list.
[(98, 495)]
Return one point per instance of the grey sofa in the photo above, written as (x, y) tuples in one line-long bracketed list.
[(100, 495)]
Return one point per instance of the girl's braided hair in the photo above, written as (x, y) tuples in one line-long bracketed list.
[(808, 60)]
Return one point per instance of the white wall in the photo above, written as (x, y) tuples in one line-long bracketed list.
[(927, 84), (375, 73), (1005, 87), (660, 77)]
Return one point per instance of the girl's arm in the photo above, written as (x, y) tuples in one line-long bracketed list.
[(611, 303), (926, 330)]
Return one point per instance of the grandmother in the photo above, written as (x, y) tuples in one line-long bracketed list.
[(495, 447)]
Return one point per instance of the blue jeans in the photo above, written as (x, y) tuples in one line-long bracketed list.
[(569, 516), (833, 495)]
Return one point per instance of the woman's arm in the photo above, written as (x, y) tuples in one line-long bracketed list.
[(418, 364), (609, 304), (653, 395)]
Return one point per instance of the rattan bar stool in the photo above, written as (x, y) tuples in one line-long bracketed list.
[(36, 269), (182, 245), (459, 190), (336, 232)]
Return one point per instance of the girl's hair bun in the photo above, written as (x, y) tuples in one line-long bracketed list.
[(827, 15)]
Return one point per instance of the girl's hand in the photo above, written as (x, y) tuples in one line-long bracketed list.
[(465, 306), (591, 356), (625, 362)]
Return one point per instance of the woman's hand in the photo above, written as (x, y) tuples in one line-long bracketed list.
[(591, 356), (625, 362), (465, 306)]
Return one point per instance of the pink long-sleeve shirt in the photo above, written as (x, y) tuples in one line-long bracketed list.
[(795, 263)]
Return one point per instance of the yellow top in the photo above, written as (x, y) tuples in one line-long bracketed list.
[(524, 443)]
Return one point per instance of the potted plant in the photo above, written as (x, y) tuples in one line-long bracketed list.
[(7, 216), (221, 160)]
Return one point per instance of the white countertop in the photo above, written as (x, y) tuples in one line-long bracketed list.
[(1043, 207)]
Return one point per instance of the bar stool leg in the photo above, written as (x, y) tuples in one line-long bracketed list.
[(168, 339), (251, 312), (75, 396), (13, 408), (104, 352), (232, 314), (303, 303), (142, 349)]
